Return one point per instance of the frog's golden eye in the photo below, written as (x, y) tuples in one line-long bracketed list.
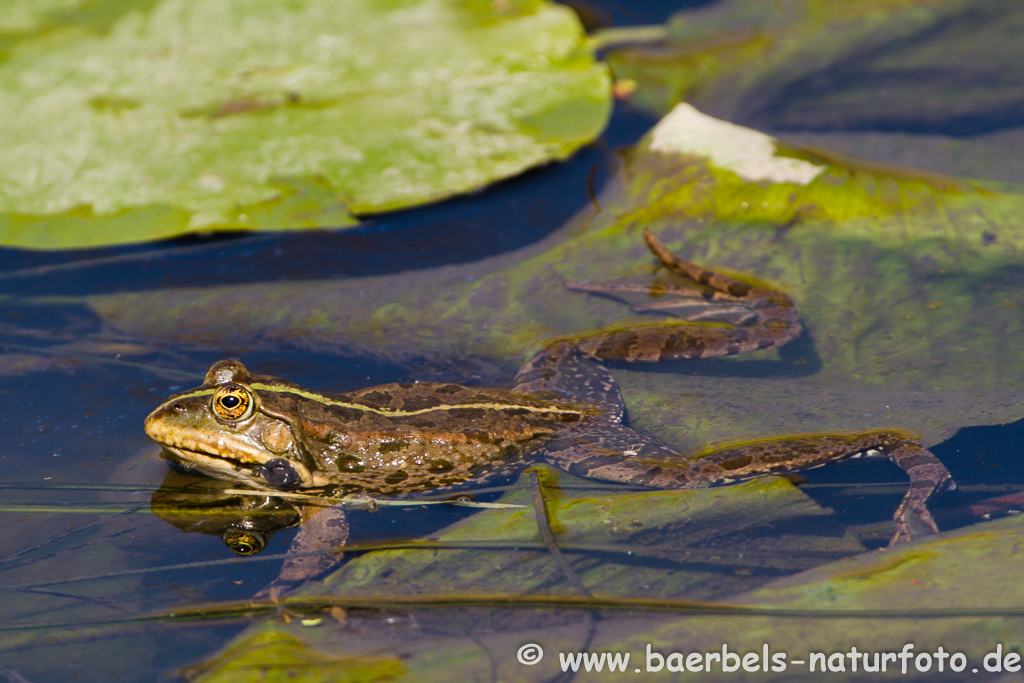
[(233, 402), (245, 542)]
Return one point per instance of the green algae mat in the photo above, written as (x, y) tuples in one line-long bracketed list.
[(128, 121)]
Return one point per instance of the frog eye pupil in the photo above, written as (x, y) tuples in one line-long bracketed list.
[(230, 401)]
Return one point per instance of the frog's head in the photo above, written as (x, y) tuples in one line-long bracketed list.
[(223, 429)]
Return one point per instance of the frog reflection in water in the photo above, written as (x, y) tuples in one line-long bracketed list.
[(564, 409)]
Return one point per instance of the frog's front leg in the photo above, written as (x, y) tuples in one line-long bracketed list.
[(928, 476), (324, 529)]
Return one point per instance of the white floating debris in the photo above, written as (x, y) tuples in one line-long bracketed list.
[(748, 153)]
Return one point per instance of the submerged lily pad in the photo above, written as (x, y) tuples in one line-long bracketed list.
[(279, 656), (129, 121), (648, 545), (942, 66), (926, 594), (700, 544)]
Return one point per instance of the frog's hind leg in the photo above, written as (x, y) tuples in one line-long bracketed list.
[(928, 476), (755, 317), (613, 452)]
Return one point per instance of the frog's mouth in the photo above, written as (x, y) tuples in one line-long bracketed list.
[(222, 457), (274, 472)]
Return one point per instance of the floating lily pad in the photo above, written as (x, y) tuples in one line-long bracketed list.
[(129, 121)]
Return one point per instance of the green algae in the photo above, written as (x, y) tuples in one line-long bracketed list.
[(270, 657)]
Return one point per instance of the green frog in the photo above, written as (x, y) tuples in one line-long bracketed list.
[(563, 408)]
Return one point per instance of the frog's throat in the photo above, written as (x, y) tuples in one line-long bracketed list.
[(328, 401)]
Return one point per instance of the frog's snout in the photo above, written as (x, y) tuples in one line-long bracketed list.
[(156, 421)]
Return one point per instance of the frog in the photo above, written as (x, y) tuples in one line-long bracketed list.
[(563, 408)]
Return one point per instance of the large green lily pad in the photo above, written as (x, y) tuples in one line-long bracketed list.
[(127, 121)]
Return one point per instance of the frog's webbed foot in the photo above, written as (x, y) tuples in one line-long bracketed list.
[(686, 303), (928, 477), (750, 317), (310, 552)]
